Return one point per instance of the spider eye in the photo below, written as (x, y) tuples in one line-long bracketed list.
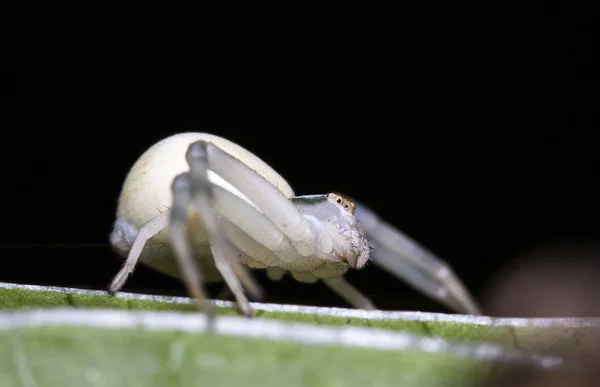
[(339, 200), (345, 206)]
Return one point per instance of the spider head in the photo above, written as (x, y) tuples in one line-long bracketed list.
[(339, 239), (344, 204)]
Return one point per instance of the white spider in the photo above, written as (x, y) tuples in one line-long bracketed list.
[(199, 199)]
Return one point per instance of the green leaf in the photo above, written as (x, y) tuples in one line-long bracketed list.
[(84, 356), (75, 340)]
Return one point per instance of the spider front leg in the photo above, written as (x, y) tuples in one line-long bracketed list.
[(400, 255)]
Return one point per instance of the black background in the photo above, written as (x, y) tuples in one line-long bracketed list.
[(472, 129)]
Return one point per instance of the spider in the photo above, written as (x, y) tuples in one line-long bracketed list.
[(201, 208)]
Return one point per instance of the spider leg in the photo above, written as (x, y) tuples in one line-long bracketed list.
[(153, 227), (257, 217), (348, 292), (333, 278), (224, 254), (180, 244), (265, 196), (400, 255)]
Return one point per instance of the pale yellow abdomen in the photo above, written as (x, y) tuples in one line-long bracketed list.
[(146, 193)]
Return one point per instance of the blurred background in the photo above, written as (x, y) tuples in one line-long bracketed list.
[(470, 129)]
